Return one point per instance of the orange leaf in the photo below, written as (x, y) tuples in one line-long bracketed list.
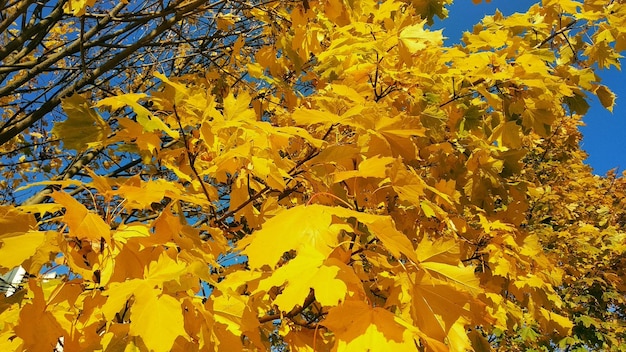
[(82, 222)]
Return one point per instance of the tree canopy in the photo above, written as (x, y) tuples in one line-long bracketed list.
[(317, 175)]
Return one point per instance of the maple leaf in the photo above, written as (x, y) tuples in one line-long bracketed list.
[(508, 135), (233, 318), (48, 330), (414, 38), (332, 280), (607, 98), (77, 7), (238, 108), (384, 228), (145, 118), (359, 327), (442, 312), (370, 167), (83, 127), (135, 133), (293, 229), (18, 238), (440, 259), (156, 318), (82, 222), (17, 247)]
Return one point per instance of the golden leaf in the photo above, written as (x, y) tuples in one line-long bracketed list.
[(77, 7), (414, 38), (83, 127), (606, 97), (156, 318), (359, 327), (82, 222), (292, 229), (16, 247), (145, 118), (332, 281)]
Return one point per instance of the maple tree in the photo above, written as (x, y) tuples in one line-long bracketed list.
[(330, 177)]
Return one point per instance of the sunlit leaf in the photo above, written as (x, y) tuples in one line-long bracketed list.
[(82, 222), (359, 327), (157, 319)]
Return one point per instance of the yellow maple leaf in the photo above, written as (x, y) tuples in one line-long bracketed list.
[(307, 117), (145, 118), (226, 20), (556, 321), (267, 170), (313, 225), (384, 228), (292, 229), (238, 108), (165, 269), (16, 247), (457, 275), (82, 222), (414, 38), (606, 97), (83, 127), (331, 280), (156, 318), (307, 340), (370, 167), (441, 312), (359, 327), (508, 135), (117, 295), (13, 220), (77, 7), (37, 325)]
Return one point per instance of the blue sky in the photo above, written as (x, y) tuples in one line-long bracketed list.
[(605, 133)]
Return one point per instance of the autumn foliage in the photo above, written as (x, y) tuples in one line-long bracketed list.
[(343, 182)]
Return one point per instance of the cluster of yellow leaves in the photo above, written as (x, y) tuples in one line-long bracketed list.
[(581, 222), (391, 208), (77, 7)]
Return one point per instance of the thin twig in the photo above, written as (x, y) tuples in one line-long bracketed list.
[(294, 312), (553, 35), (192, 160)]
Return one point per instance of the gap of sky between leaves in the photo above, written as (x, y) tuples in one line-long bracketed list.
[(604, 136)]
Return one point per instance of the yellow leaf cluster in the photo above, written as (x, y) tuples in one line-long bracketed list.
[(367, 189)]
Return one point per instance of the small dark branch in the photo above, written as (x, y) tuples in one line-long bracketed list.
[(127, 217), (313, 153), (82, 47), (352, 240), (243, 204), (385, 92), (192, 160), (571, 47), (375, 83), (124, 167), (294, 312), (474, 257), (329, 130), (555, 34), (80, 161), (294, 171), (454, 98), (288, 191)]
